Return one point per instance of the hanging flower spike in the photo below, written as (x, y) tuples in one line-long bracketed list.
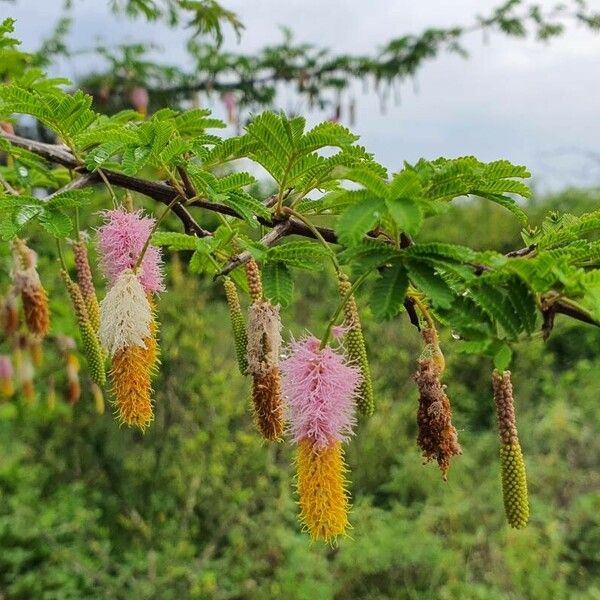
[(98, 398), (34, 347), (121, 241), (132, 387), (254, 281), (6, 377), (86, 283), (356, 348), (264, 337), (26, 378), (91, 344), (126, 332), (268, 409), (238, 324), (125, 314), (514, 476), (321, 484), (437, 437), (73, 383), (51, 394), (140, 99), (263, 346), (320, 388), (27, 283), (9, 315)]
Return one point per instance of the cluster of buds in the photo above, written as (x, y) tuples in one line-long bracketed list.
[(514, 476), (437, 437), (263, 344)]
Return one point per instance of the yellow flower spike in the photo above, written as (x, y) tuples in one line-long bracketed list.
[(324, 500), (131, 386)]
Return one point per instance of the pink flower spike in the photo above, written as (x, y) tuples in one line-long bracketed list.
[(338, 331), (6, 370), (319, 386), (120, 242)]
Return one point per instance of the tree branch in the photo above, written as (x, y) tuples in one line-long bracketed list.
[(165, 193), (278, 231), (161, 192)]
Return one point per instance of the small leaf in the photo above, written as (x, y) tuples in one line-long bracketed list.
[(389, 291), (302, 254), (70, 199), (174, 240), (407, 214), (56, 222), (503, 358), (277, 283), (430, 283), (358, 219)]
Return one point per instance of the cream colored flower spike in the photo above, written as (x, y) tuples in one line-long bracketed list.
[(264, 338), (125, 314)]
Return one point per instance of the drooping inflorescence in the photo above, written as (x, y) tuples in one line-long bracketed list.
[(9, 314), (320, 387), (514, 476), (356, 348), (27, 283), (125, 332), (127, 318), (238, 325), (121, 241), (263, 335), (86, 283), (91, 343), (7, 387), (437, 437)]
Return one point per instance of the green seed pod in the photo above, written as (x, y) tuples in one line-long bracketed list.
[(91, 345), (356, 348), (238, 324), (86, 283), (514, 477)]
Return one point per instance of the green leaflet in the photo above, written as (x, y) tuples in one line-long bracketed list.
[(427, 280), (301, 253), (358, 219), (388, 292), (174, 240), (407, 214), (277, 283)]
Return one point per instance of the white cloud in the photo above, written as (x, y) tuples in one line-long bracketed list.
[(515, 99)]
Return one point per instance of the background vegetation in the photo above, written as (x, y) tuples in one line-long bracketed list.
[(199, 507)]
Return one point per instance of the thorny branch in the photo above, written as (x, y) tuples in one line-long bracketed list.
[(165, 193)]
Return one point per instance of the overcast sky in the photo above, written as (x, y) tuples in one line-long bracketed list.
[(535, 104)]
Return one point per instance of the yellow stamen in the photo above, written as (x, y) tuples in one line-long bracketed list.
[(324, 500)]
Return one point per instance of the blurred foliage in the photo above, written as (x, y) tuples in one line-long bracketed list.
[(200, 508)]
